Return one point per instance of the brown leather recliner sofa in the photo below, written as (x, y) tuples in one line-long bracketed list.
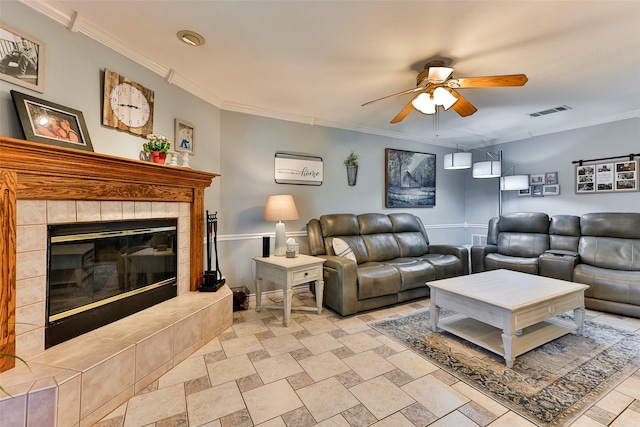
[(601, 250), (392, 260)]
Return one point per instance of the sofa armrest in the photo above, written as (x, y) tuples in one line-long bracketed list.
[(478, 253), (340, 277), (558, 264), (459, 251)]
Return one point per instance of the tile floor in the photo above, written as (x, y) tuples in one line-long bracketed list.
[(326, 370)]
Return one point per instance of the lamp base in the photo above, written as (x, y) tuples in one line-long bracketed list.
[(280, 244)]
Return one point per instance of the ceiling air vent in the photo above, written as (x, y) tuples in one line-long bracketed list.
[(550, 111)]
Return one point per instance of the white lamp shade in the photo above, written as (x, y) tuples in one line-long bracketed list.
[(488, 169), (439, 74), (443, 97), (460, 160), (514, 182), (424, 104)]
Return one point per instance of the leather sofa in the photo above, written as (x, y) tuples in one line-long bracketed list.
[(385, 259), (601, 250)]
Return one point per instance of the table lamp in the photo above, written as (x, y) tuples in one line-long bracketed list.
[(280, 208)]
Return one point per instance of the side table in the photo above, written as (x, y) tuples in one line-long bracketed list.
[(289, 272)]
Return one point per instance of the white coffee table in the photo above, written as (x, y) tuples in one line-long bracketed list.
[(505, 311), (289, 272)]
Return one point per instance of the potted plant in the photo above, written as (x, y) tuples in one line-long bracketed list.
[(158, 145), (351, 162)]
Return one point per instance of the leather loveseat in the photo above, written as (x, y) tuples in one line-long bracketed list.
[(601, 250), (385, 259)]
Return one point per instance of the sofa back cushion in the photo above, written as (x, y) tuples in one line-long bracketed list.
[(610, 240), (564, 232), (345, 227), (523, 234), (410, 235), (377, 234)]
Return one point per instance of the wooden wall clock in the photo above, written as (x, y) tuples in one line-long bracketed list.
[(127, 105)]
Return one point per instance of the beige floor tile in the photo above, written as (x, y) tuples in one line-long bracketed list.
[(189, 369), (480, 398), (368, 364), (335, 421), (412, 364), (395, 420), (275, 422), (615, 402), (281, 344), (319, 326), (630, 387), (150, 407), (243, 345), (327, 398), (271, 400), (454, 419), (390, 343), (320, 343), (230, 369), (435, 395), (511, 419), (381, 397), (352, 325), (213, 403), (277, 327), (323, 366), (277, 367), (585, 421), (360, 342), (626, 323), (210, 347), (249, 327), (626, 419)]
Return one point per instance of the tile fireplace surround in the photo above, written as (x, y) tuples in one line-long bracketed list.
[(81, 380)]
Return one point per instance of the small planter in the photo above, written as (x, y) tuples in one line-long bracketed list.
[(158, 157), (352, 175)]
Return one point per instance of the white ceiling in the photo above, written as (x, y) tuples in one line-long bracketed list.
[(316, 62)]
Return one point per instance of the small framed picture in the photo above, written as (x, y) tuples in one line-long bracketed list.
[(22, 58), (536, 190), (551, 190), (49, 123), (550, 178), (536, 179), (525, 192), (185, 136)]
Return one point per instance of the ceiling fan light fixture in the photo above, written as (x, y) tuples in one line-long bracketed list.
[(190, 37), (439, 74), (424, 103), (443, 97)]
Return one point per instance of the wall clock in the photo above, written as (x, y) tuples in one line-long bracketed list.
[(127, 105)]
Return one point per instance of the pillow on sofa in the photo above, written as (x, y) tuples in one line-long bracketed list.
[(342, 248)]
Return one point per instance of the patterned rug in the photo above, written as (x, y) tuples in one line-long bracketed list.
[(550, 385)]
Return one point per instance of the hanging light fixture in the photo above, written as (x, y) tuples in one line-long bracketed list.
[(427, 103), (458, 160), (488, 169)]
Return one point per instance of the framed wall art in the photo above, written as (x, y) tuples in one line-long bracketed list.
[(536, 179), (294, 168), (410, 179), (22, 58), (44, 121), (550, 178), (607, 177), (185, 136), (551, 190)]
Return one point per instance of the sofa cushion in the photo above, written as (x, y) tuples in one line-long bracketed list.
[(610, 252), (524, 222), (609, 285), (376, 279), (342, 248), (609, 224), (445, 265), (411, 244), (414, 273), (564, 232), (381, 247), (495, 261), (525, 245), (339, 225)]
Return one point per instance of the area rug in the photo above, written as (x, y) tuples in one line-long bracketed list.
[(551, 385)]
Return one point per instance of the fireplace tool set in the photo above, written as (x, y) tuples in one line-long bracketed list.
[(213, 280)]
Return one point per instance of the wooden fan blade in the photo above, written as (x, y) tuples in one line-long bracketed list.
[(404, 113), (462, 106), (488, 81), (404, 92)]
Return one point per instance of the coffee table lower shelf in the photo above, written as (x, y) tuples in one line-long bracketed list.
[(490, 338)]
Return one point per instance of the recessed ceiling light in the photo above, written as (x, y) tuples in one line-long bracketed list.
[(190, 37)]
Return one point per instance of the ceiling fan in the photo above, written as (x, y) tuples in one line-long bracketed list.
[(435, 87)]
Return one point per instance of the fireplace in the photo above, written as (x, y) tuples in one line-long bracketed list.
[(103, 271)]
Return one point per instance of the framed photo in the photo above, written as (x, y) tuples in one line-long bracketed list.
[(22, 58), (44, 121), (550, 178), (585, 179), (607, 177), (536, 179), (410, 179), (525, 192), (536, 190), (626, 178), (185, 137), (551, 190)]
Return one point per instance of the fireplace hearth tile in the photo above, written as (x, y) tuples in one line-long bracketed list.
[(153, 351)]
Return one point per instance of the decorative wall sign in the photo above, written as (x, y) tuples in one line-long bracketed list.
[(127, 105), (607, 177), (44, 121), (292, 168), (410, 179), (22, 58)]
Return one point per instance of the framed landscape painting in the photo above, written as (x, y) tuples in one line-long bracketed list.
[(410, 179)]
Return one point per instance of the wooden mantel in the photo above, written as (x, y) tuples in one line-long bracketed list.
[(31, 170)]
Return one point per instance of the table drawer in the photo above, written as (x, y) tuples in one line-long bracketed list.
[(306, 275)]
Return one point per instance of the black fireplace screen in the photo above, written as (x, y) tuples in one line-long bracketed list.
[(98, 268)]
